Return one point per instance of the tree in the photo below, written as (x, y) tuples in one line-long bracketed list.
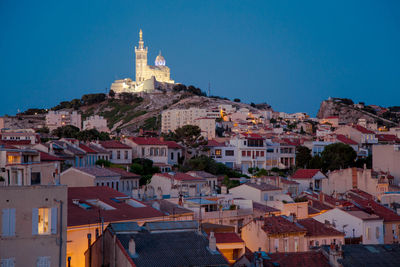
[(103, 163), (67, 131), (338, 156), (303, 157), (145, 168), (236, 100), (44, 130), (92, 134), (315, 163), (191, 139), (111, 93)]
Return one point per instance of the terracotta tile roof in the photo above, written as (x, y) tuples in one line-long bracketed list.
[(281, 225), (113, 144), (173, 144), (47, 157), (263, 186), (263, 207), (315, 228), (201, 174), (97, 171), (98, 149), (370, 206), (124, 174), (87, 149), (295, 259), (121, 212), (213, 143), (147, 141), (228, 238), (252, 136), (342, 138), (16, 142), (180, 176), (362, 129), (391, 138), (305, 174)]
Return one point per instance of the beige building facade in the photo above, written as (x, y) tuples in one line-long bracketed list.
[(34, 225), (386, 158), (55, 119), (176, 118)]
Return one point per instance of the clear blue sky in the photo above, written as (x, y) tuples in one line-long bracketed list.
[(290, 54)]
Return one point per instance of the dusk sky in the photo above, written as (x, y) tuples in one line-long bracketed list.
[(289, 54)]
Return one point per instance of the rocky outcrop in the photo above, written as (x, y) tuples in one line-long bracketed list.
[(348, 113)]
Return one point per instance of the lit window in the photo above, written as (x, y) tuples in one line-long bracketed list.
[(43, 221), (218, 152)]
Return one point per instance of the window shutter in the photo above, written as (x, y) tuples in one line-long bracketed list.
[(5, 222), (35, 218), (54, 220), (12, 222)]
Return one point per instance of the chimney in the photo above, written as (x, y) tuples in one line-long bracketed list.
[(132, 247), (321, 197), (224, 190), (212, 242)]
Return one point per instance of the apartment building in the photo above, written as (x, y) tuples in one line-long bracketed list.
[(55, 119), (386, 158), (204, 118), (96, 122), (33, 225)]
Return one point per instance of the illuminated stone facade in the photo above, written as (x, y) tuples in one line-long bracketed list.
[(147, 76)]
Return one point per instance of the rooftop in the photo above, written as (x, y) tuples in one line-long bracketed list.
[(173, 248), (305, 173), (228, 238), (120, 210), (110, 144), (263, 186), (124, 174), (315, 228), (96, 171), (281, 225), (180, 176), (369, 255)]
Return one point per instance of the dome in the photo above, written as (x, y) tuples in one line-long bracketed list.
[(160, 60)]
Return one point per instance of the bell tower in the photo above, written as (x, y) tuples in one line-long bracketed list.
[(141, 58)]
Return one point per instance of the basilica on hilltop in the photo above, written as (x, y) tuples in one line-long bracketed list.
[(148, 78)]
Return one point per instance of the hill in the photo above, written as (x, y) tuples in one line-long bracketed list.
[(127, 113), (348, 112)]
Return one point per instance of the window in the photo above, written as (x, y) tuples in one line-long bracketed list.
[(44, 221), (43, 262), (143, 150), (377, 232), (262, 153), (172, 155), (243, 153), (8, 222), (276, 244), (296, 245), (266, 197), (35, 178), (249, 153), (10, 262), (286, 244), (257, 153), (126, 154), (229, 153), (368, 233), (218, 152), (118, 154), (317, 243)]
